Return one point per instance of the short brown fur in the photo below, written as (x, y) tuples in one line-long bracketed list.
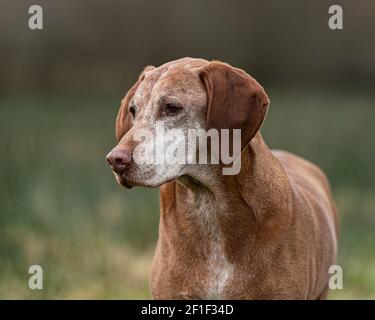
[(274, 224)]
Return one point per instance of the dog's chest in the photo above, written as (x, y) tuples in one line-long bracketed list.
[(218, 271)]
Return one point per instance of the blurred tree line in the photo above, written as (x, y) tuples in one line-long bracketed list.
[(93, 46)]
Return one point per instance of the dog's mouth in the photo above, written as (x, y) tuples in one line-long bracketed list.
[(124, 182), (127, 183)]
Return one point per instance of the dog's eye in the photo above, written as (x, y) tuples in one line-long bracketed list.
[(172, 109), (132, 111)]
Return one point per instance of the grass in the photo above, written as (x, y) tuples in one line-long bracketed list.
[(61, 208)]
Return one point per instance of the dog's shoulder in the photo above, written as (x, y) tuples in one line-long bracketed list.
[(310, 180), (301, 171)]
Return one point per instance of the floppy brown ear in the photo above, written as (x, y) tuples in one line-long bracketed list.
[(123, 120), (234, 100)]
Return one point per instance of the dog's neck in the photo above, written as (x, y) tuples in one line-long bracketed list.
[(215, 220), (209, 204)]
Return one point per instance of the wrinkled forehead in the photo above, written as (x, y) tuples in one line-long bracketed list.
[(178, 81)]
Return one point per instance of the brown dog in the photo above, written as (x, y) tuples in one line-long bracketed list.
[(268, 232)]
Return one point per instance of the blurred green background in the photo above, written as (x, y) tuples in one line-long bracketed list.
[(60, 88)]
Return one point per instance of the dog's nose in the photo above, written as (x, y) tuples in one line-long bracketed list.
[(118, 160)]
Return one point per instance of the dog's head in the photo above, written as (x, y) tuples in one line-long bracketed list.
[(170, 103)]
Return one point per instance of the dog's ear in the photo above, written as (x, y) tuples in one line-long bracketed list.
[(123, 120), (234, 100)]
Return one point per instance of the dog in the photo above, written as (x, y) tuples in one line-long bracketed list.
[(268, 232)]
